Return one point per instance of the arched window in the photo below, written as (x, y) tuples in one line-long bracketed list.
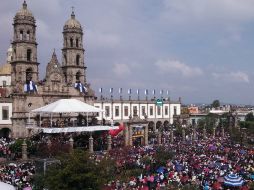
[(78, 76), (71, 41), (77, 42), (77, 59), (28, 35), (28, 54), (21, 34), (65, 77), (29, 73), (65, 59)]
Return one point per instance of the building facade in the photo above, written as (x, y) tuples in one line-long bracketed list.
[(63, 80)]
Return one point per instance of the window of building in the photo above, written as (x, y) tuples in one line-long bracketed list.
[(135, 110), (77, 42), (5, 113), (158, 110), (71, 42), (143, 110), (77, 59), (29, 54), (151, 110), (117, 111), (175, 110), (166, 110), (65, 59), (21, 34), (65, 40), (78, 76), (126, 111), (28, 35), (107, 111), (4, 83), (29, 74)]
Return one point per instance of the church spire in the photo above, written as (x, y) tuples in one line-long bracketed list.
[(72, 13), (24, 5)]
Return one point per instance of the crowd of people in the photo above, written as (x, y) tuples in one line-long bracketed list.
[(203, 164), (18, 175), (5, 152)]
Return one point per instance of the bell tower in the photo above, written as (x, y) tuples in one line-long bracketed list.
[(73, 65), (24, 59)]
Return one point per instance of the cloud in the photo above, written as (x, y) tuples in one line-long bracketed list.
[(204, 11), (121, 69), (100, 39), (176, 66), (232, 77)]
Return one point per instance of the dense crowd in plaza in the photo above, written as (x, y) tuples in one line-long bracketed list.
[(18, 175), (203, 163)]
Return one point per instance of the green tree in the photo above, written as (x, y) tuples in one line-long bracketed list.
[(76, 171), (249, 117), (215, 104)]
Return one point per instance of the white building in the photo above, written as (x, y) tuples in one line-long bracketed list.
[(123, 110)]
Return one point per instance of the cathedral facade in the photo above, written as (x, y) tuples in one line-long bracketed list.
[(27, 91)]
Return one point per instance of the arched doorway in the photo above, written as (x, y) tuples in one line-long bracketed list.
[(151, 126), (158, 125), (5, 132), (166, 125)]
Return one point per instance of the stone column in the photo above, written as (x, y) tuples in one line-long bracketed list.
[(183, 134), (24, 150), (159, 138), (71, 143), (222, 132), (194, 134), (214, 130), (204, 133), (126, 135), (171, 136), (130, 135), (146, 135), (91, 143), (109, 142)]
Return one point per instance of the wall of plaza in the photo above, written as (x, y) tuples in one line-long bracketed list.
[(123, 110)]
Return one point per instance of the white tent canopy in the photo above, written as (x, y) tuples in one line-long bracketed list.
[(5, 186), (67, 106), (75, 129)]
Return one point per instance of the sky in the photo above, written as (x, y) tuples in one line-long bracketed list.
[(199, 50)]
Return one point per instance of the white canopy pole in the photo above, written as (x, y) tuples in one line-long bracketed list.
[(40, 120), (50, 119), (87, 119)]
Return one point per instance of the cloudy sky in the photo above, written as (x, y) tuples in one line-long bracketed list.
[(200, 50)]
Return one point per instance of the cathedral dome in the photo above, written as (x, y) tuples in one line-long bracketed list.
[(72, 23), (24, 13)]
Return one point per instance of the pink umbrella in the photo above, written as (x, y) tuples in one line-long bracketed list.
[(27, 188)]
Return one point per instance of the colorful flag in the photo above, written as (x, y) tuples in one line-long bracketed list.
[(79, 86), (30, 87)]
